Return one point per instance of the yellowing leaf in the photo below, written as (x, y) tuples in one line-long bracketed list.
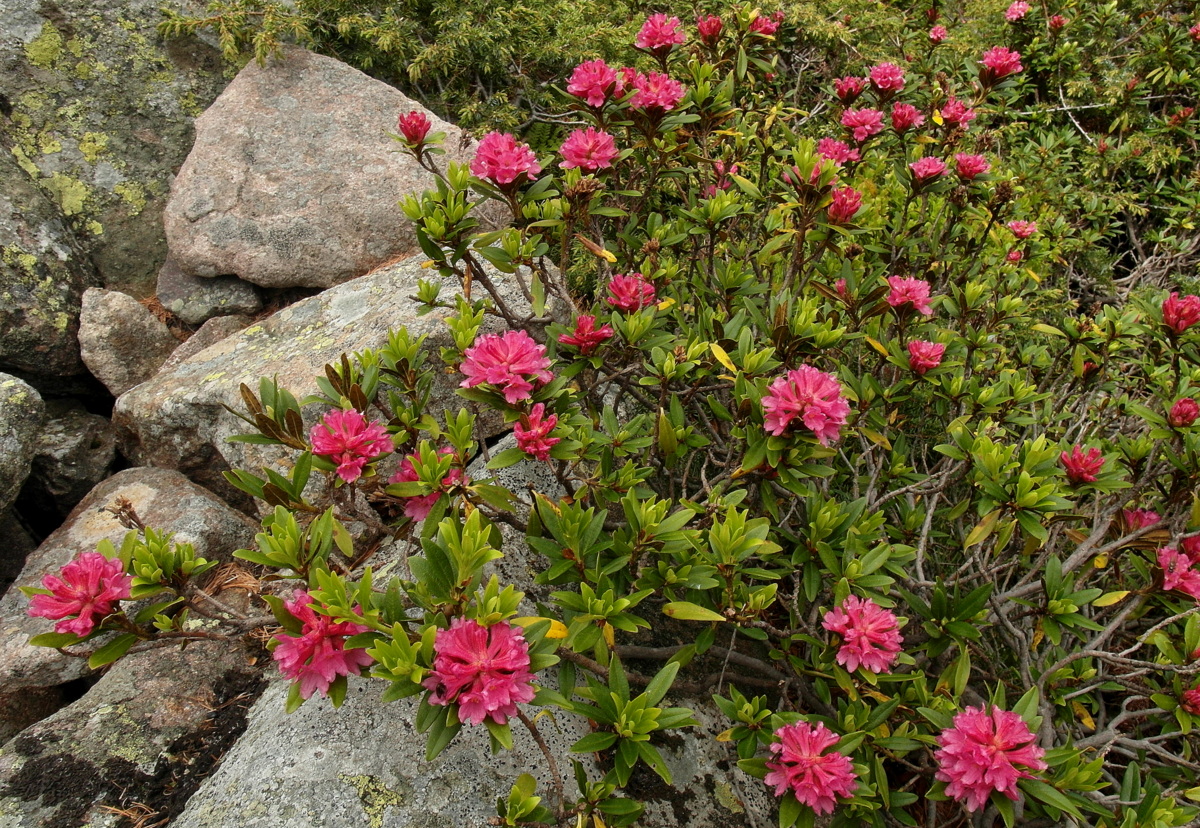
[(878, 346), (876, 438), (667, 303), (1038, 635), (937, 117), (609, 635), (721, 356), (557, 628), (1100, 561), (725, 736), (1110, 598), (1033, 275), (428, 263), (1082, 714), (982, 529), (1041, 327)]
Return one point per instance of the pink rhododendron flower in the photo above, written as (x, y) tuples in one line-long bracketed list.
[(630, 293), (587, 337), (998, 63), (1191, 548), (84, 591), (927, 169), (655, 93), (504, 160), (1081, 467), (840, 287), (589, 149), (839, 152), (886, 78), (1180, 313), (906, 117), (955, 113), (766, 25), (922, 356), (800, 765), (1022, 229), (909, 293), (863, 123), (849, 88), (484, 670), (813, 396), (1016, 11), (418, 507), (510, 362), (318, 655), (870, 634), (1178, 572), (1190, 701), (969, 167), (985, 752), (533, 433), (414, 126), (724, 182), (1194, 33), (938, 34), (1013, 256), (709, 27), (1135, 519), (1057, 23), (659, 34), (347, 439), (845, 205), (1183, 413), (595, 82)]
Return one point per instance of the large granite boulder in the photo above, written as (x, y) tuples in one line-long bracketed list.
[(122, 342), (293, 180), (99, 111), (75, 451), (43, 274), (21, 414), (177, 419)]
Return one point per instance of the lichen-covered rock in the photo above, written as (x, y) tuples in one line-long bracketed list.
[(75, 451), (145, 733), (43, 274), (162, 499), (177, 419), (293, 180), (122, 342), (196, 300), (209, 334), (21, 414), (101, 116)]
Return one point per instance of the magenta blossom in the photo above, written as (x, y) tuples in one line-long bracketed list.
[(484, 670), (985, 752), (630, 293), (1016, 11), (922, 356), (504, 160), (318, 655), (347, 439), (655, 93), (849, 88), (886, 79), (927, 169), (970, 167), (1190, 701), (533, 433), (938, 34), (414, 126), (863, 123), (589, 149), (800, 765), (955, 113), (85, 591), (1057, 23), (709, 27), (1179, 572), (595, 82), (998, 63), (907, 293), (510, 362), (1135, 519), (1180, 313), (906, 117), (1183, 413), (587, 337), (870, 634), (839, 152), (1194, 33), (659, 34), (766, 25), (845, 205), (812, 395), (1022, 229), (1081, 467), (418, 507)]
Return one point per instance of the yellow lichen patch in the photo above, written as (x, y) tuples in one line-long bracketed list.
[(133, 194), (94, 227), (374, 795), (45, 49), (71, 194), (49, 145), (93, 145)]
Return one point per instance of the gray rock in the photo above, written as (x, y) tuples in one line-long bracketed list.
[(177, 420), (293, 180), (196, 300), (153, 721), (18, 543), (102, 112), (122, 343), (75, 451), (43, 274), (162, 499), (21, 414), (209, 334)]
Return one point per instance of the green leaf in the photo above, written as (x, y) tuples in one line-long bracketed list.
[(661, 683), (594, 742), (1050, 795), (687, 611), (54, 640), (113, 650)]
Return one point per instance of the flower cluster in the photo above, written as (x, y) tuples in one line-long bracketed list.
[(85, 591), (659, 34), (533, 433), (1183, 413), (998, 63), (588, 149), (927, 169), (1022, 229), (886, 78), (845, 204), (630, 292), (849, 88), (985, 752), (955, 113), (839, 152), (709, 28), (905, 117), (318, 655), (510, 362), (595, 82), (1081, 467), (418, 507), (870, 634), (863, 123), (414, 127), (800, 765), (346, 438), (484, 670), (503, 160), (1179, 571), (909, 293), (969, 167), (812, 395), (938, 34), (923, 356), (587, 337), (654, 92), (1180, 312), (1016, 11)]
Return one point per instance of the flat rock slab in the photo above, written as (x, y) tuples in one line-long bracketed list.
[(293, 179), (196, 300)]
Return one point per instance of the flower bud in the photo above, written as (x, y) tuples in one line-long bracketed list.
[(1183, 413)]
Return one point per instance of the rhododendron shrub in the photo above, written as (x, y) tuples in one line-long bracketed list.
[(828, 424)]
